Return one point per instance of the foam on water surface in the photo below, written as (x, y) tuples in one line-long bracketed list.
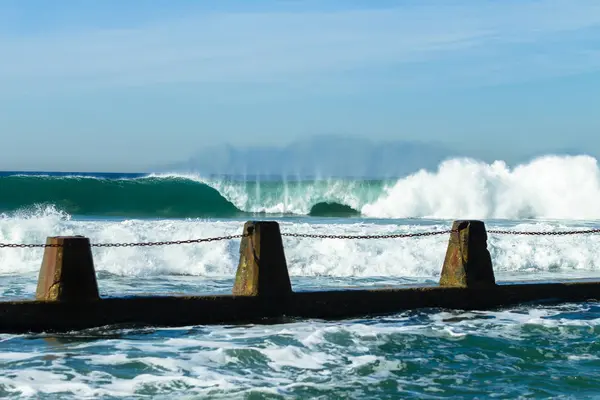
[(530, 352), (527, 351), (407, 258)]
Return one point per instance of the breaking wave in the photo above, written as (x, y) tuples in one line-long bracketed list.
[(550, 187)]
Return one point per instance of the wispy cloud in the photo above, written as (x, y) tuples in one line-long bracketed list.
[(479, 42)]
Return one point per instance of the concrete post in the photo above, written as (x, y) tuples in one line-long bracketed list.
[(468, 262), (67, 273), (262, 270)]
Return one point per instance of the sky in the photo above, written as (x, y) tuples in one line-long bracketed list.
[(122, 85)]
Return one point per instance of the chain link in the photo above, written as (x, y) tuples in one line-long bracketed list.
[(13, 245), (142, 244), (553, 233), (310, 235), (388, 236), (189, 241)]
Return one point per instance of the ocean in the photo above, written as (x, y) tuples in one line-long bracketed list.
[(528, 351)]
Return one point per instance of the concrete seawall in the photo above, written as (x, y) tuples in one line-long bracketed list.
[(67, 295)]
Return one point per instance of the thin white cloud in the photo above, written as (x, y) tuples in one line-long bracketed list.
[(494, 41)]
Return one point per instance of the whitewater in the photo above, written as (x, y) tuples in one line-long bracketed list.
[(531, 351), (551, 187)]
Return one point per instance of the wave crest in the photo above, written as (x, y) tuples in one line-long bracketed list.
[(550, 187)]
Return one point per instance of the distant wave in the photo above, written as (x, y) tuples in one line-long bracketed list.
[(550, 187), (140, 197), (172, 196)]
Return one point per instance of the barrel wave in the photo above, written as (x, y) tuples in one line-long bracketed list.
[(170, 196), (326, 209), (142, 197), (550, 187)]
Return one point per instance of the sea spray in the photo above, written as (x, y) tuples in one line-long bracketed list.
[(420, 258), (551, 187), (419, 353)]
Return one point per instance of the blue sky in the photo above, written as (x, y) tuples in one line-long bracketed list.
[(124, 85)]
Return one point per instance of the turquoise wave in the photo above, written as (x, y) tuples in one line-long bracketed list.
[(181, 197)]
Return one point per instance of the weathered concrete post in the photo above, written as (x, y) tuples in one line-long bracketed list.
[(262, 270), (468, 262), (67, 273)]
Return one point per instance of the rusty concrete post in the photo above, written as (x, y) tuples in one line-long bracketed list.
[(468, 262), (262, 270), (67, 272)]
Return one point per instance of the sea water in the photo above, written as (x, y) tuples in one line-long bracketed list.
[(527, 351)]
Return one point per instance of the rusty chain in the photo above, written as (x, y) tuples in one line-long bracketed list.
[(310, 235)]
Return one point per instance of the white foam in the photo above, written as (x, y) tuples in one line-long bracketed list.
[(31, 382), (583, 357), (110, 359), (14, 356), (213, 259), (294, 357), (343, 357), (550, 187), (514, 257)]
